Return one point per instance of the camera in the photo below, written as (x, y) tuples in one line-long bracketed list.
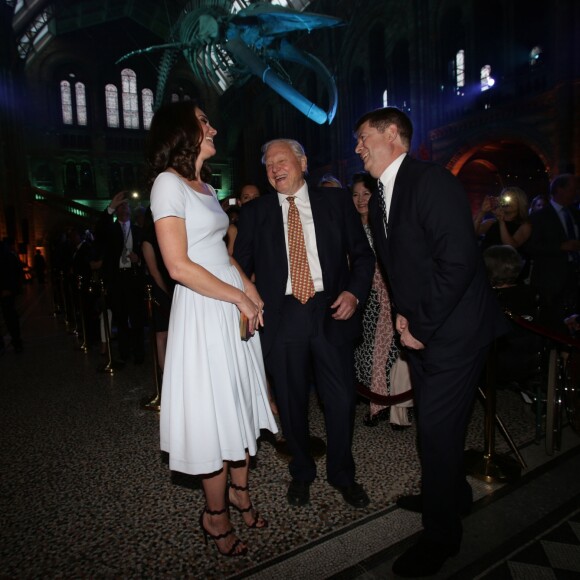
[(504, 200)]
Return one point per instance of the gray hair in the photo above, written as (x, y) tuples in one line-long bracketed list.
[(503, 264), (293, 144)]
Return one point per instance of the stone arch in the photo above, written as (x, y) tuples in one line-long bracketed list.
[(487, 166)]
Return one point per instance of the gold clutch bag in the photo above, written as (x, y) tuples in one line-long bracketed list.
[(244, 327)]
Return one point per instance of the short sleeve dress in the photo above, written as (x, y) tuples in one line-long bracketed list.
[(214, 397)]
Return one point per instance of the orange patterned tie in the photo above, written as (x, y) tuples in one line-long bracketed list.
[(302, 285)]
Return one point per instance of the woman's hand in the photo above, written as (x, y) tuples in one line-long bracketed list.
[(486, 204), (500, 214), (252, 293), (252, 306)]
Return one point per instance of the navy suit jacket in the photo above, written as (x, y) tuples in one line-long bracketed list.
[(551, 265), (110, 243), (346, 258), (433, 265)]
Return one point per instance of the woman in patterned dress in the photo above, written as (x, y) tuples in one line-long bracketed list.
[(377, 351)]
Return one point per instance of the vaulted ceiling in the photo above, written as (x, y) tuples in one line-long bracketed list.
[(36, 22)]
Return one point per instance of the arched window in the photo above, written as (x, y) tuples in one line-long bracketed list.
[(73, 102), (129, 103), (112, 106), (486, 80), (66, 103), (147, 100), (460, 72), (81, 103), (129, 99)]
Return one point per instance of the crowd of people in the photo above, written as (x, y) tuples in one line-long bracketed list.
[(260, 300)]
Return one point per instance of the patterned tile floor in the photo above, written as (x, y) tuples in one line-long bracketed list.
[(554, 554), (85, 492)]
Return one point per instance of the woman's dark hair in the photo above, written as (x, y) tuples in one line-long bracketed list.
[(503, 264), (174, 141), (368, 180)]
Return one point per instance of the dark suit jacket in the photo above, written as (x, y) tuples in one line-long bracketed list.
[(433, 265), (81, 260), (551, 266), (110, 243), (346, 258)]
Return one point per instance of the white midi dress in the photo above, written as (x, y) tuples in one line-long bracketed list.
[(214, 397)]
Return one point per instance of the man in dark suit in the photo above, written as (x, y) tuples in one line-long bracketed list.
[(554, 247), (314, 330), (11, 281), (119, 245), (446, 315)]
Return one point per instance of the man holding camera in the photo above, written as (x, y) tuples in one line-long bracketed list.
[(119, 244)]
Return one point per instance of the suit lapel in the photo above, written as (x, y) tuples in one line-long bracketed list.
[(398, 187)]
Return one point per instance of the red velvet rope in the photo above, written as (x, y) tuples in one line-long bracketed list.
[(386, 400), (554, 335)]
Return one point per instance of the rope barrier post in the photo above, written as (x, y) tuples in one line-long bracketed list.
[(111, 365), (54, 289), (152, 403), (63, 298), (81, 308), (557, 377), (490, 466)]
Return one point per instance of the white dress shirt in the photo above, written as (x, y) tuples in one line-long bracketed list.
[(388, 180), (124, 261), (305, 211)]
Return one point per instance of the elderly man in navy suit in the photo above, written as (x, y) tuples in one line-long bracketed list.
[(446, 315), (313, 268)]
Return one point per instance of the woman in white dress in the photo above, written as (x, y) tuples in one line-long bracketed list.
[(214, 397)]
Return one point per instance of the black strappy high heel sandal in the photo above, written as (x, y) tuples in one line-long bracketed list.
[(256, 515), (231, 553)]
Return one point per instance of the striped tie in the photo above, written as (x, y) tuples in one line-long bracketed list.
[(302, 285), (383, 205)]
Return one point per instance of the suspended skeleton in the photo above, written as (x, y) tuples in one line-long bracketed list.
[(220, 46)]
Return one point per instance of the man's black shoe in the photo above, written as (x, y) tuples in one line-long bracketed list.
[(414, 503), (411, 503), (354, 494), (424, 558), (298, 493)]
